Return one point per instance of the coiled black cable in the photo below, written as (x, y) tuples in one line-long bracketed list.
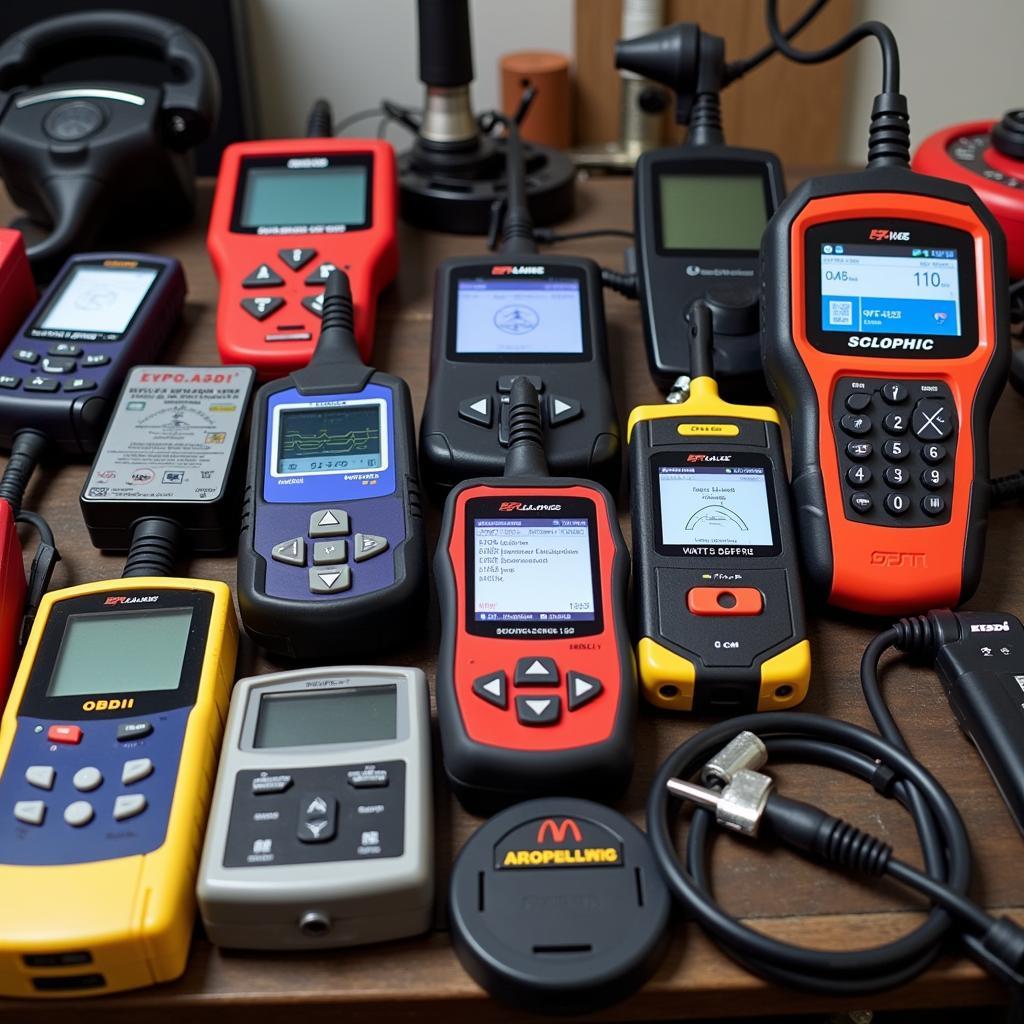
[(884, 762)]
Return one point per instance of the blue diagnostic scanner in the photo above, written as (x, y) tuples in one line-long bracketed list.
[(332, 555)]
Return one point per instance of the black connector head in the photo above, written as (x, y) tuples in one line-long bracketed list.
[(526, 456)]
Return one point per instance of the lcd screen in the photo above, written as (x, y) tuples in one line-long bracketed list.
[(360, 714), (98, 300), (278, 197), (712, 212), (329, 439)]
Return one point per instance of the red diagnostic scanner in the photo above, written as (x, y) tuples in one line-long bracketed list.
[(17, 289), (12, 597), (885, 339), (536, 687), (286, 213), (988, 156)]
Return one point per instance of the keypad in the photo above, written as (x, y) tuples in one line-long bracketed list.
[(556, 410), (333, 546), (263, 282), (552, 690), (896, 444)]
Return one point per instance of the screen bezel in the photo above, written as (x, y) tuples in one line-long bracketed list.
[(385, 437), (483, 271), (61, 285), (703, 169), (573, 507), (922, 234), (36, 703), (334, 693), (247, 163), (676, 460)]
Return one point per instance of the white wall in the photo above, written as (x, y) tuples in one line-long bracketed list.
[(356, 52), (960, 61)]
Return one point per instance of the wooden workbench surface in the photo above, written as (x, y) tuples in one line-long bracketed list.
[(783, 896)]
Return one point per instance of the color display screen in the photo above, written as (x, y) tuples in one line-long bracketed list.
[(329, 439)]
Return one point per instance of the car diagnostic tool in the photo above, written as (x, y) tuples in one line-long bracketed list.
[(885, 339), (520, 313), (321, 829), (286, 213), (716, 576), (699, 212), (108, 746), (536, 689), (102, 314), (332, 553)]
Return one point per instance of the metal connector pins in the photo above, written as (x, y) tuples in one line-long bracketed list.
[(738, 807)]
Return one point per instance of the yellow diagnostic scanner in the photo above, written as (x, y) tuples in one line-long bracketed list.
[(716, 585), (108, 749)]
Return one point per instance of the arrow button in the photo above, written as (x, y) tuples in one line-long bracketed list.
[(562, 410), (366, 545), (262, 277), (477, 410), (492, 688), (261, 306), (318, 818), (330, 581), (582, 689), (296, 259), (291, 552), (329, 522), (538, 710), (536, 672)]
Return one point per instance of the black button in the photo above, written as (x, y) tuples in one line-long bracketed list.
[(80, 384), (538, 710), (57, 364), (896, 476), (320, 275), (896, 504), (493, 688), (858, 476), (933, 454), (855, 425), (267, 784), (932, 419), (96, 359), (315, 304), (859, 450), (858, 401), (133, 730), (264, 276), (7, 381), (479, 410), (296, 259), (895, 423), (74, 121), (895, 451), (66, 348), (505, 382), (933, 504), (582, 689), (41, 384), (860, 501), (26, 355), (368, 778), (318, 818), (536, 672), (261, 306), (933, 479), (562, 410), (894, 393)]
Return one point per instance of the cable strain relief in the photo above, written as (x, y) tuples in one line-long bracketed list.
[(848, 847), (1007, 488), (526, 455), (1004, 940), (915, 635), (624, 284), (320, 124), (706, 121), (889, 134), (27, 448), (153, 548)]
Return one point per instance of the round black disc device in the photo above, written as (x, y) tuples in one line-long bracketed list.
[(557, 906)]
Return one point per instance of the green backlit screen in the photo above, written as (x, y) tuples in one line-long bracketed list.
[(712, 212), (121, 652), (282, 197)]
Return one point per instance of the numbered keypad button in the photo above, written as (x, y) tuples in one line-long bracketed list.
[(855, 425), (933, 504), (933, 454), (895, 423), (896, 476), (933, 420), (894, 394), (895, 451), (933, 479), (859, 450), (858, 476), (858, 401), (896, 504), (860, 501)]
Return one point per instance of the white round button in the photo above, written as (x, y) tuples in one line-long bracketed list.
[(79, 813), (87, 779)]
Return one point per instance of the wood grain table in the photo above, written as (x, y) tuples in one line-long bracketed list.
[(773, 890)]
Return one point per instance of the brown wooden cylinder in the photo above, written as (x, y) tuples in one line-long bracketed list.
[(549, 119)]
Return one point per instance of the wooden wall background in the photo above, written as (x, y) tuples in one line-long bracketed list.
[(795, 110)]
